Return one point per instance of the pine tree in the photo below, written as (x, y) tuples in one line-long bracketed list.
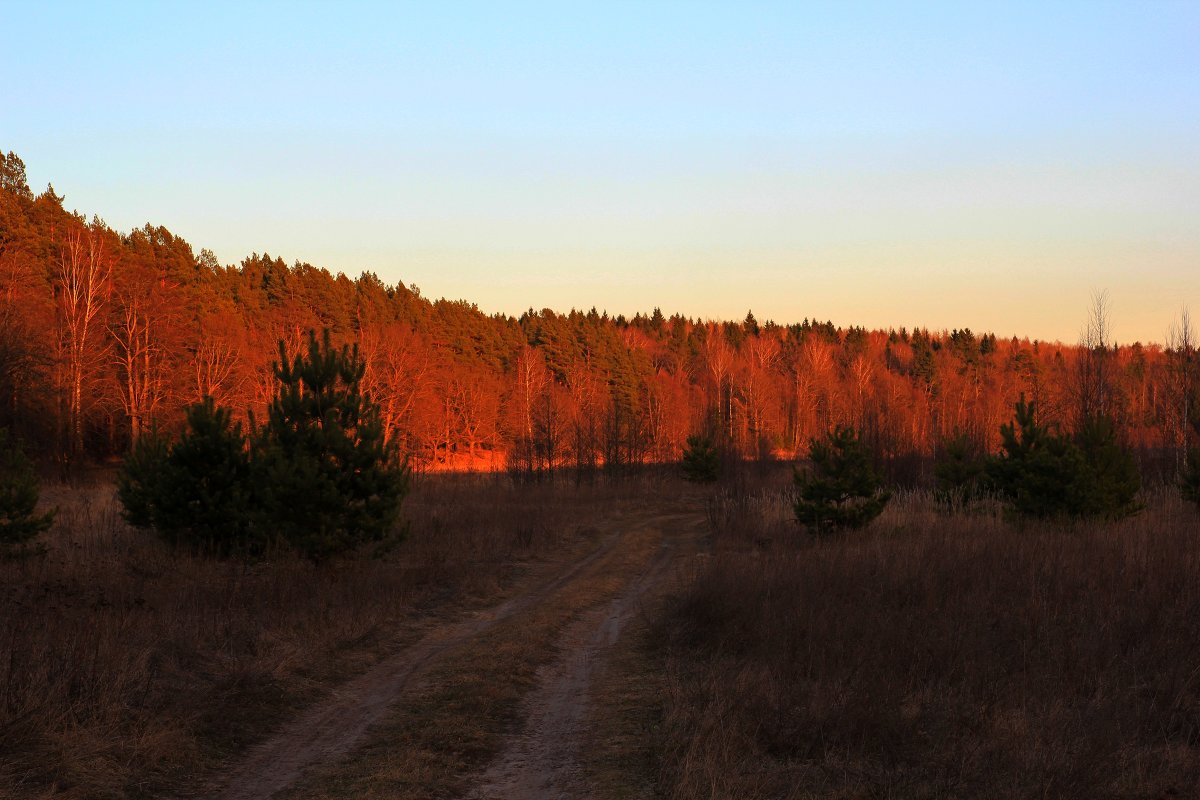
[(327, 480), (1189, 483), (139, 479), (959, 472), (701, 460), (1039, 471), (1189, 480), (19, 520), (1044, 473), (1113, 481), (197, 492), (841, 490), (204, 499)]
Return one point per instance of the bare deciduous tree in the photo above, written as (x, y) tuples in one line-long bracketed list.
[(1093, 383), (82, 285), (718, 362), (398, 365), (214, 369), (142, 321), (1183, 367)]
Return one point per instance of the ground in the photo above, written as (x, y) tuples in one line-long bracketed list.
[(499, 703), (625, 641)]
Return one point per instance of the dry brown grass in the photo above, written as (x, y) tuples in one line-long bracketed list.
[(126, 667), (457, 719), (935, 656), (623, 754)]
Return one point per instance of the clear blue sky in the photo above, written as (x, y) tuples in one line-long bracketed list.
[(951, 164)]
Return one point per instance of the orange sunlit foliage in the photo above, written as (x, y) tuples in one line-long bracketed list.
[(103, 335)]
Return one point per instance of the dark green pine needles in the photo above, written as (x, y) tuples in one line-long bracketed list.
[(318, 476), (19, 520), (841, 489), (198, 492), (1044, 473), (328, 480), (701, 460)]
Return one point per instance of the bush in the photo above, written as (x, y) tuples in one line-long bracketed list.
[(701, 460), (1189, 484), (1113, 481), (318, 477), (1039, 471), (19, 520), (959, 472), (841, 490), (1044, 473), (199, 492), (327, 481), (139, 478)]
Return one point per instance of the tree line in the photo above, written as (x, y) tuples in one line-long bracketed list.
[(105, 335)]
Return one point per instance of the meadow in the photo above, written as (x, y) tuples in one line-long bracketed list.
[(935, 656), (931, 655), (129, 667)]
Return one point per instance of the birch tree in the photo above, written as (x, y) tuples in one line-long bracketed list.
[(84, 269)]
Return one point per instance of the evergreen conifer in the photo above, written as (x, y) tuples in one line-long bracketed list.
[(327, 481), (205, 496), (139, 478), (701, 460), (1189, 483), (1040, 472), (1044, 473), (841, 490), (19, 520), (1113, 481), (959, 472), (197, 492)]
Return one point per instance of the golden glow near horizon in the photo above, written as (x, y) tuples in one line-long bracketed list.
[(929, 166)]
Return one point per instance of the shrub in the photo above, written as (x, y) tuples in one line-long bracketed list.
[(1189, 484), (701, 460), (1112, 480), (19, 520), (327, 481), (1039, 471), (317, 477), (139, 477), (959, 472), (197, 492), (841, 490), (1044, 473)]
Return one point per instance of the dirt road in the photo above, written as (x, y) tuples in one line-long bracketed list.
[(542, 761), (538, 761)]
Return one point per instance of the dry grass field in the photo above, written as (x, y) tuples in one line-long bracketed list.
[(936, 656), (501, 715), (128, 668), (930, 656)]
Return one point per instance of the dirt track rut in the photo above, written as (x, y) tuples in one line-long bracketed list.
[(543, 760), (327, 731)]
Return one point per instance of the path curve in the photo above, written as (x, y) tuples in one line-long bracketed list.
[(542, 762), (331, 728)]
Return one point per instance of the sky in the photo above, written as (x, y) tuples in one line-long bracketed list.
[(944, 165)]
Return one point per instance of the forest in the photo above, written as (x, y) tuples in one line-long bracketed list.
[(105, 335), (995, 595)]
